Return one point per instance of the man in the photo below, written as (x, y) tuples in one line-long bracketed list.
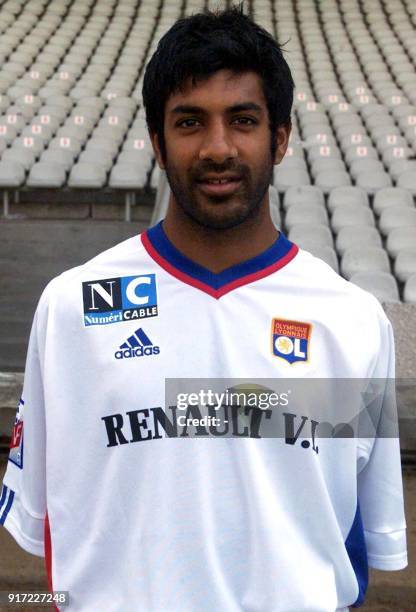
[(132, 509)]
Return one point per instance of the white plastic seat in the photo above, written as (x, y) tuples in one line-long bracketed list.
[(318, 151), (302, 233), (364, 259), (409, 293), (407, 180), (347, 195), (391, 196), (399, 239), (105, 158), (351, 236), (34, 143), (25, 157), (391, 154), (397, 216), (382, 285), (44, 132), (103, 144), (127, 176), (329, 180), (299, 213), (15, 120), (373, 181), (46, 174), (87, 175), (12, 174), (73, 132), (354, 140), (405, 264), (358, 166), (398, 167), (60, 156), (326, 165), (80, 122), (8, 133), (290, 177), (111, 133), (305, 194), (353, 152), (67, 143), (346, 215)]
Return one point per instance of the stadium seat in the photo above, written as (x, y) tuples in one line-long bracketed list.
[(399, 239), (290, 177), (25, 157), (398, 167), (382, 285), (329, 180), (299, 213), (372, 181), (364, 259), (89, 175), (46, 174), (127, 176), (409, 293), (391, 196), (405, 264), (397, 216), (363, 165), (355, 235), (407, 180), (305, 194), (351, 214), (301, 233), (347, 195)]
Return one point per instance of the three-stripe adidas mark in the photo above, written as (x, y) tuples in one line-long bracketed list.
[(137, 345)]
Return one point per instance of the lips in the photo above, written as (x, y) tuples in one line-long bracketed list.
[(223, 184)]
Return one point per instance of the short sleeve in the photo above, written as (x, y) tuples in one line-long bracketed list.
[(23, 495), (380, 487)]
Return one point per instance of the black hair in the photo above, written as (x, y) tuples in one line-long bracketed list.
[(198, 46)]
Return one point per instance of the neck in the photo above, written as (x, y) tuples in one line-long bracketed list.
[(218, 250)]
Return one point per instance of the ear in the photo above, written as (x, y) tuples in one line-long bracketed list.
[(282, 135), (156, 148)]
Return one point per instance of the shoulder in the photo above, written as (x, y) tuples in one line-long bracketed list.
[(114, 262)]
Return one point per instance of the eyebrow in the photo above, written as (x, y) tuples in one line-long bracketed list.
[(236, 108)]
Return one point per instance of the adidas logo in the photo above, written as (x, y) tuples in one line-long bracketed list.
[(137, 345)]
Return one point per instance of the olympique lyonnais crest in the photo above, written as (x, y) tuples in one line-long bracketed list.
[(16, 442), (290, 340)]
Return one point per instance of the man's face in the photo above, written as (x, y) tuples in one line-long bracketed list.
[(218, 148)]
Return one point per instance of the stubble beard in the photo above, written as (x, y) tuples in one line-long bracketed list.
[(248, 200)]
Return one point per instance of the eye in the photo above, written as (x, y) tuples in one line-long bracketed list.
[(244, 121), (188, 123)]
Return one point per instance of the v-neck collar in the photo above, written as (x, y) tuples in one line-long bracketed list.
[(159, 247)]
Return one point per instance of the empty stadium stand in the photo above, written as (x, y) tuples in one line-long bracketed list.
[(72, 123)]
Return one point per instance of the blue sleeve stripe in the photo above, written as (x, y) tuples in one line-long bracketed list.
[(357, 552), (7, 508), (3, 496)]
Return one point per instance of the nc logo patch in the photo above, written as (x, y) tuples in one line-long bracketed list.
[(126, 298), (290, 340)]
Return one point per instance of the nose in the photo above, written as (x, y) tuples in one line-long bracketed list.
[(217, 145)]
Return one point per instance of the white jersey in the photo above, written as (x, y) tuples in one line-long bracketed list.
[(134, 514)]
